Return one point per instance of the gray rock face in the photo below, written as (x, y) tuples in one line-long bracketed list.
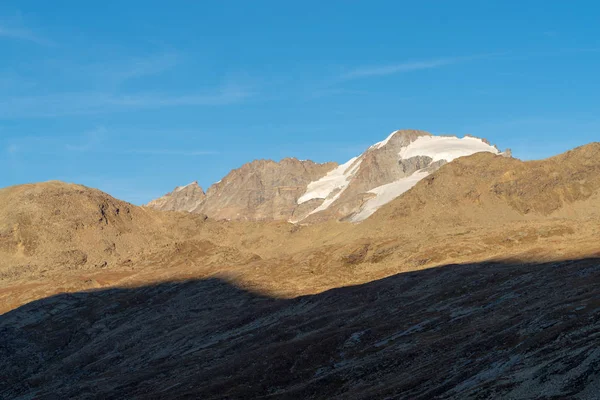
[(412, 165), (477, 331), (261, 190)]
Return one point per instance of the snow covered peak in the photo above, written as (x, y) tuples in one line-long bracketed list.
[(379, 145), (445, 147), (402, 137), (385, 171)]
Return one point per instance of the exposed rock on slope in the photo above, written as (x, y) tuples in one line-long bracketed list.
[(183, 198), (304, 191)]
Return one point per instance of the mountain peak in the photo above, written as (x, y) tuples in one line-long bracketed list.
[(385, 171), (302, 190), (183, 198), (193, 186)]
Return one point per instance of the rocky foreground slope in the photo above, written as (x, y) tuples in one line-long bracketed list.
[(479, 282), (303, 191), (474, 331)]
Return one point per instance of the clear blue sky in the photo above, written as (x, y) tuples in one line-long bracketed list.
[(136, 97)]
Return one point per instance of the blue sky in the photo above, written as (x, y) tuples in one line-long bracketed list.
[(137, 97)]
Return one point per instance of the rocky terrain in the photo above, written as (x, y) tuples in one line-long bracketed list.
[(477, 282), (472, 331), (302, 191)]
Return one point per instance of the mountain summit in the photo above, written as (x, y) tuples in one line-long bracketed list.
[(183, 198), (305, 191)]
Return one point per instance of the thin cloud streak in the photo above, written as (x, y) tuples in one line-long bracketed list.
[(410, 66), (96, 141), (113, 73), (153, 65), (396, 68), (24, 35), (86, 103)]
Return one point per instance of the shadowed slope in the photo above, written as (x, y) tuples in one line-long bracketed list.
[(491, 330)]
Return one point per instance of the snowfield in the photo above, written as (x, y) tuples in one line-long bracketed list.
[(338, 179), (445, 148), (386, 193)]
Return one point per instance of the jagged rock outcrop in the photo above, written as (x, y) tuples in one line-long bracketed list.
[(183, 198), (260, 190)]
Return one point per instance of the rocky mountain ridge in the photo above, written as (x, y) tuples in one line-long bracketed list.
[(304, 191)]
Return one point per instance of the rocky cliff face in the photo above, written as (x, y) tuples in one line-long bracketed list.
[(260, 190), (304, 191)]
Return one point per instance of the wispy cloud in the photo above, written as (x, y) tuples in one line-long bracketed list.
[(99, 140), (23, 34), (381, 70), (111, 73), (68, 87), (222, 96), (155, 64), (408, 66), (86, 103)]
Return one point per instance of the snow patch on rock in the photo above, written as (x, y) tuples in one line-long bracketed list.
[(336, 180), (386, 193)]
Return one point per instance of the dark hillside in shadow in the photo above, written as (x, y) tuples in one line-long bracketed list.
[(461, 331)]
